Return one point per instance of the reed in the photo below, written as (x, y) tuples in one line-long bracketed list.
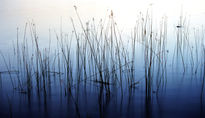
[(99, 54)]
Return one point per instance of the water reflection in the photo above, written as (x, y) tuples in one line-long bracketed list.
[(97, 71)]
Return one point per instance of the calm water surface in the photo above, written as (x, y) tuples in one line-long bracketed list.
[(61, 76)]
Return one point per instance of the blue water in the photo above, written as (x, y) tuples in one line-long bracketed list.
[(176, 81)]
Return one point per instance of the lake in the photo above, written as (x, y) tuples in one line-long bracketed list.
[(91, 58)]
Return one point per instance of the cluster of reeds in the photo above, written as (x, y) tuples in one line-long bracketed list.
[(101, 54)]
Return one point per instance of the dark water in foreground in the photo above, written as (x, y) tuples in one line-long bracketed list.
[(95, 101), (182, 96)]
